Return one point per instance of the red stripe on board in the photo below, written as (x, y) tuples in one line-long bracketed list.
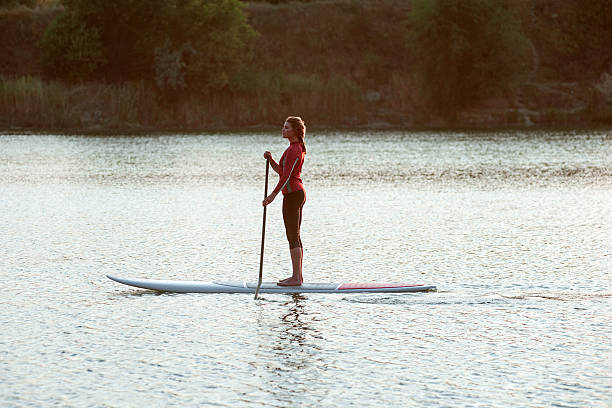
[(375, 285)]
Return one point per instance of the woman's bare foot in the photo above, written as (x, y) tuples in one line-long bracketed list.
[(289, 282)]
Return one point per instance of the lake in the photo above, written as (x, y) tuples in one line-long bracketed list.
[(514, 229)]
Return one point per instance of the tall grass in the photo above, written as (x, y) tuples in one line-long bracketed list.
[(30, 102)]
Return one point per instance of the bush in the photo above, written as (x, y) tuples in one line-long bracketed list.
[(71, 49), (170, 67), (465, 50), (219, 34), (129, 32), (147, 39)]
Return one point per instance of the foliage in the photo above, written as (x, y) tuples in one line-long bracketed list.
[(127, 31), (71, 49), (465, 49), (133, 35), (219, 34), (170, 67), (337, 62)]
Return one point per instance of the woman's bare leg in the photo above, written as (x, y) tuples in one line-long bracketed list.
[(296, 262)]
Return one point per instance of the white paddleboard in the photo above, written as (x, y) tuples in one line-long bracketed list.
[(269, 287)]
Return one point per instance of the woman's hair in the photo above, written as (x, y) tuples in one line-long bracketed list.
[(300, 128)]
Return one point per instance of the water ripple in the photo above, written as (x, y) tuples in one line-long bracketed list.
[(513, 228)]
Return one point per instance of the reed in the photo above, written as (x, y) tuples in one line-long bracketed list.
[(30, 102), (33, 103), (21, 100)]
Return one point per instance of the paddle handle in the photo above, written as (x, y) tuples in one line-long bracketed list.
[(263, 231)]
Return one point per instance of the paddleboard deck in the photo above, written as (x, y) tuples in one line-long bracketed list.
[(269, 287)]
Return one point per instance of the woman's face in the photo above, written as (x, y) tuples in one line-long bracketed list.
[(288, 131)]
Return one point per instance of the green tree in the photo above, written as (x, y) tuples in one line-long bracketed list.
[(465, 50), (219, 34), (149, 39), (71, 49), (170, 69), (128, 32)]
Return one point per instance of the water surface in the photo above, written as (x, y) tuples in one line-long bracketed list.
[(514, 229)]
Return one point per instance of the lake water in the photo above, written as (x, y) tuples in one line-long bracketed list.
[(514, 228)]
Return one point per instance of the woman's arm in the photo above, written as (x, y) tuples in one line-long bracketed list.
[(290, 163), (275, 167)]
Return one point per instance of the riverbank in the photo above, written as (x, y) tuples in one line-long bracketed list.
[(340, 68), (30, 103)]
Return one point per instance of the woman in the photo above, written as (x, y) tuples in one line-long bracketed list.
[(289, 169)]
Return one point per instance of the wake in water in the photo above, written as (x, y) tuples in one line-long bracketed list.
[(450, 298), (561, 296)]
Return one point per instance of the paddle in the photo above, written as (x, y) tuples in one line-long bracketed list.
[(263, 230)]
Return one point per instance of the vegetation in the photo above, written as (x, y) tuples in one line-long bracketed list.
[(118, 40), (71, 49), (193, 64), (465, 49)]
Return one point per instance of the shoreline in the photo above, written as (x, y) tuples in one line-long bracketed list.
[(376, 127)]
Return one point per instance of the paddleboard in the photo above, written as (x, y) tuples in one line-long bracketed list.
[(269, 287)]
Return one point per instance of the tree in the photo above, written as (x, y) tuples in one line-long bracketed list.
[(149, 39), (219, 34), (71, 49), (170, 69), (128, 32), (465, 49)]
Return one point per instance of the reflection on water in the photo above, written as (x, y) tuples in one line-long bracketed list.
[(294, 327), (513, 228), (289, 352)]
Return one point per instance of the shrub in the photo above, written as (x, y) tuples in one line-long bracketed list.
[(170, 68), (465, 50), (129, 31), (219, 34), (133, 35), (71, 49)]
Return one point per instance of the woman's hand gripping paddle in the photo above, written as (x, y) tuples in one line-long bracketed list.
[(263, 230)]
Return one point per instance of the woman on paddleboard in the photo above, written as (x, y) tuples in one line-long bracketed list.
[(289, 169)]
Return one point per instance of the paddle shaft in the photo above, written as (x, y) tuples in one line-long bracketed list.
[(263, 231)]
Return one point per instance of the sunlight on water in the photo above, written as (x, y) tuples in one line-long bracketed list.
[(514, 229)]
